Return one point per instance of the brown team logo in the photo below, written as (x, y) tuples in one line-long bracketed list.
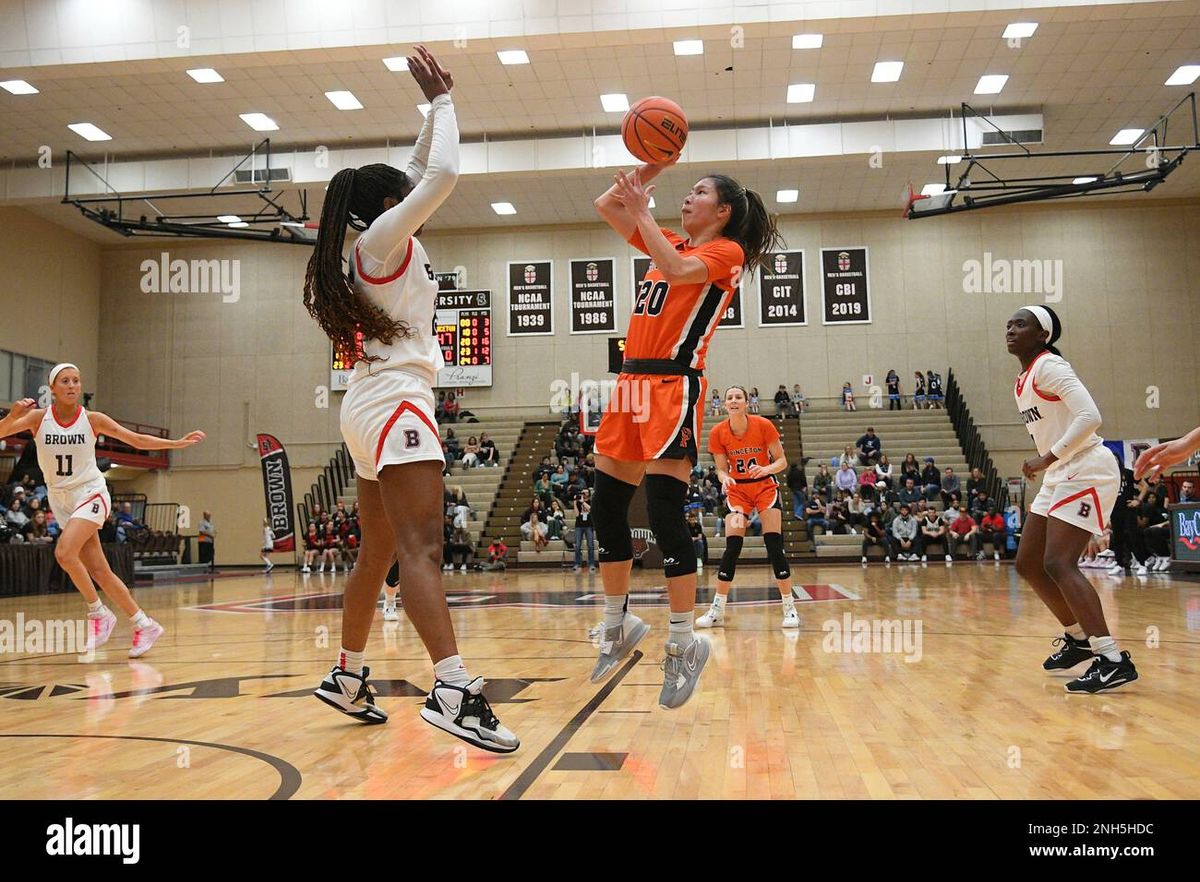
[(781, 263), (530, 274), (592, 272), (843, 261), (642, 540), (685, 437)]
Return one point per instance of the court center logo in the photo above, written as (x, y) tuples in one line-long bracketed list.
[(596, 397), (994, 275), (178, 276), (38, 636), (878, 636)]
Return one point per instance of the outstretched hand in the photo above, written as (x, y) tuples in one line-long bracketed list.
[(1162, 456), (22, 407), (433, 79), (189, 439), (630, 192)]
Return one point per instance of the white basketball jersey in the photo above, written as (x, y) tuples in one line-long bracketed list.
[(408, 294), (1046, 414), (67, 454)]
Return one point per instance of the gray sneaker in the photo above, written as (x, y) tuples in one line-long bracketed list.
[(616, 643), (681, 671)]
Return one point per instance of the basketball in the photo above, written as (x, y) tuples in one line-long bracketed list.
[(655, 130)]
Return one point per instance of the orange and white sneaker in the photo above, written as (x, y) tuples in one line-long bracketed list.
[(143, 638), (100, 628)]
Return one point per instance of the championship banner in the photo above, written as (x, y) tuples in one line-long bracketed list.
[(530, 307), (844, 286), (593, 306), (277, 487), (781, 290)]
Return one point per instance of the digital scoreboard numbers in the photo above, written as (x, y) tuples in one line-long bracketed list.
[(341, 365), (463, 325)]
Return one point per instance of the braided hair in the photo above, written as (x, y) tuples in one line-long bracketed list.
[(354, 198), (749, 224), (1055, 331)]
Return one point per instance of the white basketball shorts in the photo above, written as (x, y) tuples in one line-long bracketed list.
[(1081, 490), (388, 419), (90, 502)]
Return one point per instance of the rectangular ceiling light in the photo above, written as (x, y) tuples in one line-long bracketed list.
[(933, 189), (949, 160), (1184, 75), (787, 195), (1019, 30), (89, 131), (689, 47), (344, 100), (991, 84), (1126, 136), (807, 41), (18, 87), (617, 102), (1083, 180), (205, 75), (229, 218), (887, 71), (503, 208), (396, 62), (800, 93), (513, 56), (260, 122)]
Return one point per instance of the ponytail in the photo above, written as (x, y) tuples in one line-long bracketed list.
[(750, 224)]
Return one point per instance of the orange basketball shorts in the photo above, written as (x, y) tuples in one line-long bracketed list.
[(651, 416)]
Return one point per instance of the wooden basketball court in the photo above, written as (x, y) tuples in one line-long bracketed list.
[(955, 706)]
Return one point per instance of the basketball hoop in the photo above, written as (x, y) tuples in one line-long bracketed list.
[(910, 195)]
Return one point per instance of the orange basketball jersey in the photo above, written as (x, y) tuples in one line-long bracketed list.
[(742, 451), (676, 322)]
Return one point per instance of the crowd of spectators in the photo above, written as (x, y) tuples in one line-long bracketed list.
[(331, 537), (477, 452), (27, 517)]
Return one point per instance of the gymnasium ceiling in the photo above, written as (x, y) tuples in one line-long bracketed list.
[(1089, 70)]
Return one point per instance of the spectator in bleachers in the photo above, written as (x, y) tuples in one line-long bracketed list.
[(869, 447), (837, 521), (588, 470), (814, 515), (699, 540), (975, 483), (350, 535), (313, 547), (753, 400), (576, 485), (1187, 493), (887, 513), (893, 387), (856, 513), (846, 478), (906, 542), (107, 534), (556, 520), (931, 479), (951, 486), (980, 504), (714, 408), (875, 534), (1156, 530), (918, 399), (884, 493), (783, 402), (450, 408), (710, 497), (488, 454), (799, 400), (823, 482), (458, 500), (910, 468), (544, 467), (848, 397), (332, 547), (15, 517), (991, 529), (543, 490), (497, 555), (964, 530), (933, 532), (884, 472), (459, 548), (935, 390), (566, 445), (451, 446), (534, 509), (584, 531), (847, 456), (439, 411), (1153, 486), (559, 481), (798, 485), (470, 453), (866, 484), (37, 533)]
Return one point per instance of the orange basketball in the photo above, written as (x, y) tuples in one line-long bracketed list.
[(654, 129)]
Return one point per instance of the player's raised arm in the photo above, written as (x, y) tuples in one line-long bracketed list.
[(106, 425), (614, 212), (1169, 453), (24, 417)]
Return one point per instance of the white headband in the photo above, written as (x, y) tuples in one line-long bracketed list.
[(1043, 317), (59, 368)]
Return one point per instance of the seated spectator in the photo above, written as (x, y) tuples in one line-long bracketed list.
[(975, 483), (883, 494), (715, 405), (884, 472), (559, 481), (351, 535), (935, 390), (933, 532), (331, 546), (470, 454), (866, 484), (931, 479), (799, 401), (823, 482), (458, 549), (752, 401), (1153, 486), (906, 542), (846, 478), (566, 445), (536, 531), (918, 399), (869, 448), (127, 523), (450, 408), (543, 490), (980, 504), (798, 486), (556, 520), (964, 530), (451, 446), (577, 485), (699, 541), (856, 512), (15, 517), (910, 468), (909, 494), (314, 546), (887, 513), (893, 387), (847, 456), (875, 534), (848, 397), (544, 467), (951, 486), (711, 498), (1156, 530), (439, 411), (497, 555), (1187, 493), (488, 454), (991, 529), (458, 499), (814, 515), (837, 519), (535, 508), (783, 401)]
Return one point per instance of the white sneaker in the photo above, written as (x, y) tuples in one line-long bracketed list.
[(914, 557), (143, 638), (306, 569), (100, 628), (711, 619), (996, 555), (887, 558), (1116, 570), (791, 619), (390, 614), (699, 565), (463, 568), (464, 712), (1141, 570), (1152, 562), (350, 694), (864, 558), (269, 567), (447, 568), (1164, 564), (321, 569), (949, 558)]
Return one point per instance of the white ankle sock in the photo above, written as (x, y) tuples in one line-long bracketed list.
[(719, 601), (1076, 631), (351, 662), (95, 610), (789, 604), (1106, 647), (680, 629), (140, 619), (614, 609), (452, 671)]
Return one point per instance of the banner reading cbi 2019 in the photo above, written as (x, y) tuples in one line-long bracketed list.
[(844, 286), (530, 308)]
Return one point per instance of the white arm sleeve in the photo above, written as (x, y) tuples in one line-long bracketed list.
[(1057, 378), (387, 237), (420, 154)]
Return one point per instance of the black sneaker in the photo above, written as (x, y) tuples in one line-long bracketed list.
[(349, 693), (464, 712), (1104, 675), (1069, 655)]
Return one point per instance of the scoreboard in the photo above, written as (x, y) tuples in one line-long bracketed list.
[(463, 324), (341, 365)]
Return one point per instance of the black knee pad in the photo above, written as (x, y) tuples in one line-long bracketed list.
[(665, 498), (779, 563), (610, 518), (733, 550), (393, 576)]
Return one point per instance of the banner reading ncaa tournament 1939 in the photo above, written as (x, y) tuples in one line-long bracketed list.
[(530, 308), (844, 288)]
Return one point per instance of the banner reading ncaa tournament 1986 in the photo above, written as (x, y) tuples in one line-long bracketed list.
[(593, 307), (277, 487)]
